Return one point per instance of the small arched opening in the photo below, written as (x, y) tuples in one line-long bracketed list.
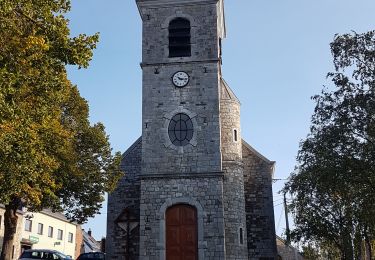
[(179, 38)]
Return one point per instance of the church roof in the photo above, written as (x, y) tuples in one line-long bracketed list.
[(259, 155), (246, 144), (130, 149), (227, 93)]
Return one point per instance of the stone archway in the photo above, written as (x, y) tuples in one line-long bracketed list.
[(202, 245)]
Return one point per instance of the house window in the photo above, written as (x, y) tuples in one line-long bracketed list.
[(28, 225), (179, 38), (241, 236), (50, 231), (59, 234), (70, 237), (40, 228)]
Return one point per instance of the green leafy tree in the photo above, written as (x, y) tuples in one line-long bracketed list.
[(333, 185), (310, 252), (50, 155)]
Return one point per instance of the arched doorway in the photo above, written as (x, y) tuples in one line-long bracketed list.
[(181, 233)]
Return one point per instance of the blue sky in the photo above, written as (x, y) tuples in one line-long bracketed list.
[(276, 56)]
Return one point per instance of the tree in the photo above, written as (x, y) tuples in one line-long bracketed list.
[(310, 252), (333, 185), (50, 155)]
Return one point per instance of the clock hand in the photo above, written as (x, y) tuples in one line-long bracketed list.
[(181, 78)]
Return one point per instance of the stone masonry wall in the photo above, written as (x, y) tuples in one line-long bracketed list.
[(261, 236), (126, 195), (234, 200), (202, 192), (234, 212), (204, 31), (230, 123), (190, 174), (199, 99)]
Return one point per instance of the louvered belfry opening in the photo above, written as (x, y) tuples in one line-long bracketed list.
[(179, 38)]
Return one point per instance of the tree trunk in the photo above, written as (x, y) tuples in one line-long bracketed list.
[(368, 247), (358, 243), (10, 228), (347, 247)]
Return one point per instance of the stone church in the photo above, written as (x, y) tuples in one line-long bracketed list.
[(193, 189)]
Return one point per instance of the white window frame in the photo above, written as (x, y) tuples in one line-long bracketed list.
[(50, 231), (70, 237), (40, 228), (60, 234), (28, 228)]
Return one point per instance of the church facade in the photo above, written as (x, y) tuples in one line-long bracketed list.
[(193, 188)]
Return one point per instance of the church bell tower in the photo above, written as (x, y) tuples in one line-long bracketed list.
[(193, 189), (184, 209)]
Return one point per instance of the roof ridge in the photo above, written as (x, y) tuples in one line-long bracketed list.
[(229, 90), (131, 148), (261, 156)]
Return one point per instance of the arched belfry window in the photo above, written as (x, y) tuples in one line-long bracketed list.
[(179, 38)]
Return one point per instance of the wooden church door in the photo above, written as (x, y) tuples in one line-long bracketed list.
[(181, 233)]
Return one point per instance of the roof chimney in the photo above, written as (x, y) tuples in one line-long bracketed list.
[(89, 232)]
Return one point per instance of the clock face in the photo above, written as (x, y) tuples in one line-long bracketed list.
[(180, 79)]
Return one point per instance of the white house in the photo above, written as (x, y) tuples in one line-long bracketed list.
[(50, 230), (44, 230)]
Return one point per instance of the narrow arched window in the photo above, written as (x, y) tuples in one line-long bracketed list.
[(235, 135), (241, 236), (179, 38)]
